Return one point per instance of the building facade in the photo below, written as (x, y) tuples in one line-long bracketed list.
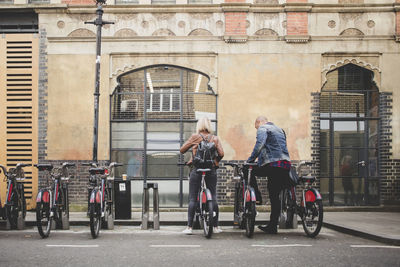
[(324, 70)]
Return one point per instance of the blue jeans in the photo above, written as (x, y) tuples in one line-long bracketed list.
[(194, 187)]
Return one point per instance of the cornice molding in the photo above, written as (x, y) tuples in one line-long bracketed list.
[(297, 38), (209, 8)]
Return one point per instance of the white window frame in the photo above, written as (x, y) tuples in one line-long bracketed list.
[(162, 94)]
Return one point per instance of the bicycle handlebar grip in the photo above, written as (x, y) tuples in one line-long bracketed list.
[(181, 164), (116, 164), (23, 165)]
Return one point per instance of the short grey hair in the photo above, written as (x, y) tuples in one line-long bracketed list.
[(262, 118)]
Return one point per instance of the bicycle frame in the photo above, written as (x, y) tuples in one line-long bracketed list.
[(250, 194)]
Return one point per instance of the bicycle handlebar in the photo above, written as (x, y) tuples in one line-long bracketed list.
[(231, 164), (68, 164), (93, 164), (116, 164), (4, 169)]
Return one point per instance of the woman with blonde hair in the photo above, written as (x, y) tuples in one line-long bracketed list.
[(203, 132)]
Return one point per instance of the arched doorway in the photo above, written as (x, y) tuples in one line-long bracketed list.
[(153, 111), (349, 137)]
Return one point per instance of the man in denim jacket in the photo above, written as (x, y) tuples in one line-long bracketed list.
[(274, 162)]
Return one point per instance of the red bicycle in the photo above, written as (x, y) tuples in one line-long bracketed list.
[(15, 206)]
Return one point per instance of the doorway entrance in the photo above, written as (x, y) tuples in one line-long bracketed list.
[(349, 137)]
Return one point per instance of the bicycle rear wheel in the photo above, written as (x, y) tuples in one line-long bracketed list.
[(43, 220), (250, 218), (95, 219), (312, 218), (208, 219)]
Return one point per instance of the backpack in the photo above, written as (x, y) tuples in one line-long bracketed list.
[(205, 154)]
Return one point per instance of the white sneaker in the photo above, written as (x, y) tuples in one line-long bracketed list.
[(217, 230), (188, 231)]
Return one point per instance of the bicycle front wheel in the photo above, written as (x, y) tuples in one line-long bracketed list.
[(43, 220), (238, 206), (95, 219), (312, 218), (12, 211), (250, 218), (208, 218)]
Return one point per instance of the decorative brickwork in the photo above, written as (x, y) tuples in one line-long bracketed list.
[(297, 23), (235, 23), (398, 25), (78, 2)]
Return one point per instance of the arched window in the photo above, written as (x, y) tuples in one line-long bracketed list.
[(349, 127), (153, 111)]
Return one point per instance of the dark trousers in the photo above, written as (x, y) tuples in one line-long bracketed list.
[(194, 187), (277, 181)]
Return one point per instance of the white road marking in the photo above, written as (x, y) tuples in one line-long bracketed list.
[(73, 246), (280, 246), (373, 246), (175, 246)]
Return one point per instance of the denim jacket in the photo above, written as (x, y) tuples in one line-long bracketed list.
[(270, 145)]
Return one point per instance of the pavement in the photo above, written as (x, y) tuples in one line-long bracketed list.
[(373, 225)]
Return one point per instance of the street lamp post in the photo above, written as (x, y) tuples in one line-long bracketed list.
[(99, 22)]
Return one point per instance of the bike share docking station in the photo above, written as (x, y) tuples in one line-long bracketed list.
[(146, 206)]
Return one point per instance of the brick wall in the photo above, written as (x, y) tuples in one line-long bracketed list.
[(42, 120), (226, 185), (78, 184), (390, 167)]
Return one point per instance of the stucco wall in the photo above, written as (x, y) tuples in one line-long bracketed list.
[(391, 83), (70, 108), (275, 85)]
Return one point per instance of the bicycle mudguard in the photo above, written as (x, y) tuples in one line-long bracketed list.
[(43, 196), (95, 196), (250, 195), (312, 195), (208, 195), (10, 193)]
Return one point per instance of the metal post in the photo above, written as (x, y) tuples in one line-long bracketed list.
[(99, 22)]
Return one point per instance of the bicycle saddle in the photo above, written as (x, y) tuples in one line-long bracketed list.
[(308, 179), (42, 167), (203, 170), (250, 164), (94, 171)]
